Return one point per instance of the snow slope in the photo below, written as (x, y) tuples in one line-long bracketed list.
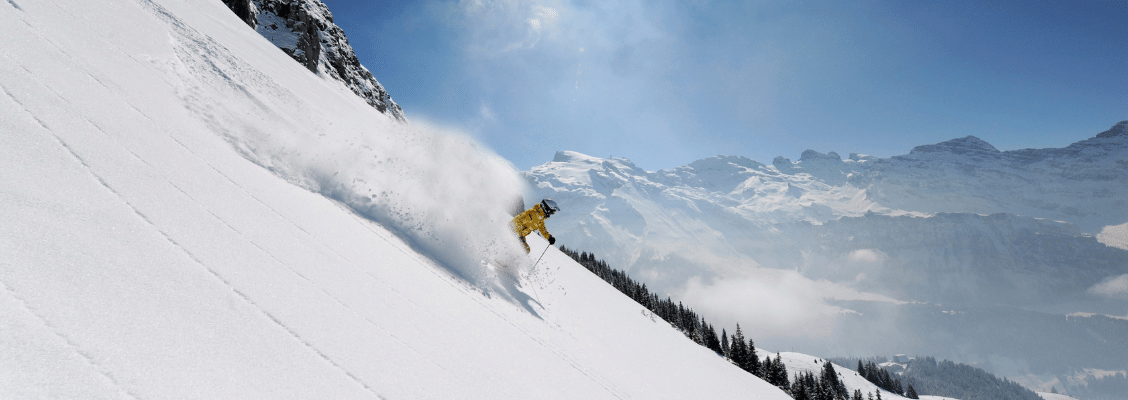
[(1053, 396), (183, 215), (802, 363)]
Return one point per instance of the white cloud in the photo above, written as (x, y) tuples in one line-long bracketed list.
[(486, 113), (497, 27), (1115, 287), (772, 303), (868, 256), (1114, 236), (775, 302)]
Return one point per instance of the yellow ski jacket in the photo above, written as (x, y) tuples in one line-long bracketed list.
[(529, 221)]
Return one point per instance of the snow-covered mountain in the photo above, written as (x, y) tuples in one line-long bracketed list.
[(956, 224), (724, 213), (185, 212), (1085, 183)]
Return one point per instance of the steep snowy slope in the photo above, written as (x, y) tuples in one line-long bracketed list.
[(148, 254)]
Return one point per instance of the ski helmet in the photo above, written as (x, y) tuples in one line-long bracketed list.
[(549, 207)]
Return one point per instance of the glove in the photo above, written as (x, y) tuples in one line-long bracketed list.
[(551, 240)]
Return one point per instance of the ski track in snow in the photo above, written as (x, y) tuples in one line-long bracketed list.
[(259, 201), (319, 289), (173, 242), (227, 283), (70, 343)]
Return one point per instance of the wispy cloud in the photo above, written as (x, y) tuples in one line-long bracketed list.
[(496, 27), (773, 303), (1115, 287)]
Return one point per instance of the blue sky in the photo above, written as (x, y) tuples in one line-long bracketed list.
[(665, 82)]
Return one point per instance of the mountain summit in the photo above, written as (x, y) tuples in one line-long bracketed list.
[(962, 146), (1120, 129)]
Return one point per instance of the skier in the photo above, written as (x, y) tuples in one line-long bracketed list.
[(533, 220)]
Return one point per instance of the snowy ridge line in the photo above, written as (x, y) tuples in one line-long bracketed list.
[(476, 297), (70, 343), (318, 287)]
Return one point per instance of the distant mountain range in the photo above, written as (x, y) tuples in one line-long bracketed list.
[(957, 224), (734, 208)]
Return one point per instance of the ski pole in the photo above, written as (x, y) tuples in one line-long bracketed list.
[(531, 284), (541, 256)]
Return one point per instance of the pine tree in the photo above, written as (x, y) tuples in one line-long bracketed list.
[(857, 394), (711, 340), (778, 373), (725, 350), (739, 349), (799, 389), (911, 393), (753, 360), (830, 379)]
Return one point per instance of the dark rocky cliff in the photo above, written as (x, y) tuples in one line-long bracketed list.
[(304, 29)]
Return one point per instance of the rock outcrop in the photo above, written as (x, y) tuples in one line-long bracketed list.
[(1120, 129), (304, 29)]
